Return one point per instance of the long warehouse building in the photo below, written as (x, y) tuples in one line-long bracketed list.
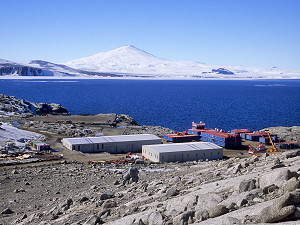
[(182, 152), (111, 144)]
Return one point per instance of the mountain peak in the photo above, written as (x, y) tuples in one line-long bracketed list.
[(5, 61), (128, 47), (128, 50), (114, 60)]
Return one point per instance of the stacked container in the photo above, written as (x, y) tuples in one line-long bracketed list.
[(197, 131), (256, 135), (181, 137), (252, 136), (266, 140), (221, 138), (289, 145), (240, 131)]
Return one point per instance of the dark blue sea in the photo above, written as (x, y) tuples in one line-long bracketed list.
[(223, 104)]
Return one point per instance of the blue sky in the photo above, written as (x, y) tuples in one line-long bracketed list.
[(262, 33)]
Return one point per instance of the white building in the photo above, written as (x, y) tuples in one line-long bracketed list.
[(182, 152), (111, 144)]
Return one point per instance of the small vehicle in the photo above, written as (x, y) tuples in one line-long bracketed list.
[(258, 149)]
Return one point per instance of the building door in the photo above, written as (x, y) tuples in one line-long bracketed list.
[(174, 158)]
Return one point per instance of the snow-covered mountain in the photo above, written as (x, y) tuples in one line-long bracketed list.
[(129, 60), (43, 68), (17, 69), (63, 70)]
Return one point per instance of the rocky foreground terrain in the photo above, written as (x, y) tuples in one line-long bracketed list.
[(254, 190)]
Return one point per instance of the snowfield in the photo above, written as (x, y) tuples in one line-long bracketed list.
[(11, 133)]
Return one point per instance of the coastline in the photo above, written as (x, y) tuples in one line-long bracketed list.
[(135, 78)]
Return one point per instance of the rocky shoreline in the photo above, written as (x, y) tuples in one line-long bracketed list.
[(252, 190), (10, 105), (55, 119)]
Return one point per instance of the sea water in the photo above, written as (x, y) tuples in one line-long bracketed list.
[(223, 104)]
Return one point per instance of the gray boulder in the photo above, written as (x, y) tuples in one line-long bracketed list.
[(278, 177), (105, 213), (174, 180), (106, 195), (233, 220), (276, 212), (172, 192), (184, 218), (282, 208), (278, 166), (269, 189), (14, 172), (207, 201), (297, 212), (201, 215), (232, 206), (131, 175), (66, 204), (245, 164), (247, 185), (55, 211), (242, 202), (291, 185), (83, 199), (236, 168), (155, 218), (276, 161), (7, 211), (218, 210), (291, 154), (139, 222), (109, 204), (253, 159), (93, 220), (293, 199)]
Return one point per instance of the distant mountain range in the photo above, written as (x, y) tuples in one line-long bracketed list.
[(129, 61), (43, 68)]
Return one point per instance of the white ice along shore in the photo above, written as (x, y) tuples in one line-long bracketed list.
[(131, 62)]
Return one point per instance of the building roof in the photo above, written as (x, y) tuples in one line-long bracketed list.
[(182, 147), (181, 135), (107, 139), (41, 144)]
